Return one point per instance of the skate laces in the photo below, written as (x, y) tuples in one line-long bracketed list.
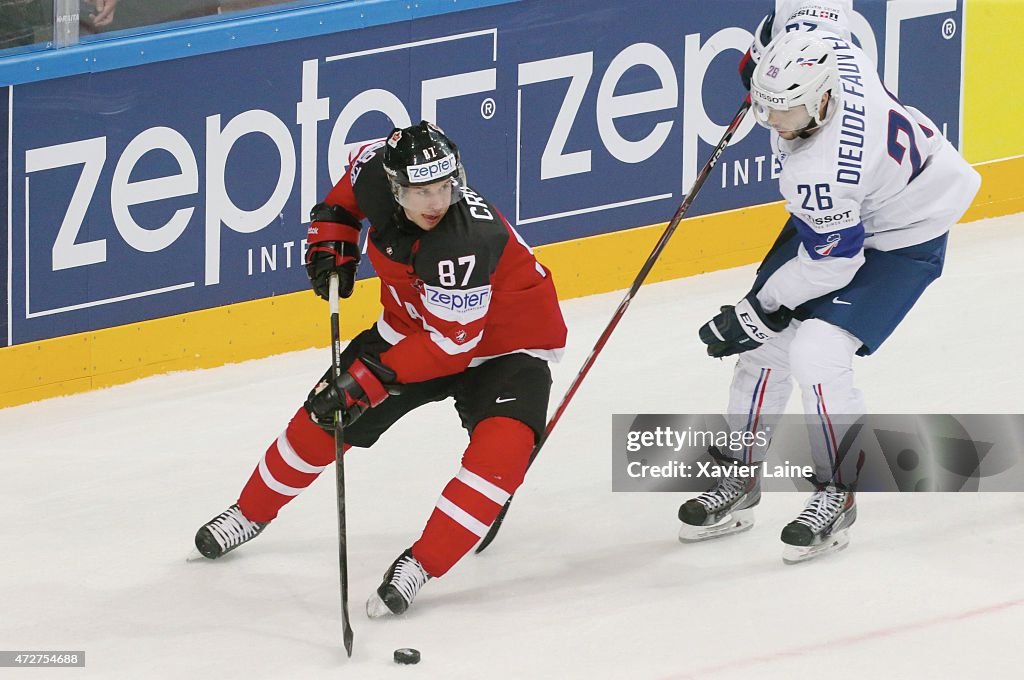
[(822, 509), (232, 528), (727, 490), (409, 577)]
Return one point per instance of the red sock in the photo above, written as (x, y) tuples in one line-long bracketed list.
[(288, 467), (492, 469)]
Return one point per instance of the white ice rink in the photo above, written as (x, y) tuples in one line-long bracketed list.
[(101, 494)]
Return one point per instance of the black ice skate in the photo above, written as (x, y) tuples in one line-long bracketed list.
[(728, 508), (823, 526), (225, 532), (398, 589)]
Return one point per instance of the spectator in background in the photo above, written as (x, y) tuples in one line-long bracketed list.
[(101, 17)]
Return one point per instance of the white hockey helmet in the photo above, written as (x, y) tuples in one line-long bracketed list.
[(796, 70)]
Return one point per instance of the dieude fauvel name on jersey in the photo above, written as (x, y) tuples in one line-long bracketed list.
[(676, 469), (851, 124)]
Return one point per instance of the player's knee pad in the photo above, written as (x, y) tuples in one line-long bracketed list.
[(821, 352), (499, 451)]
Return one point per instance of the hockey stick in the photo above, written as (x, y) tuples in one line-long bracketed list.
[(339, 467), (637, 282)]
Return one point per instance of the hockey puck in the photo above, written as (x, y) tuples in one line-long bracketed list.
[(407, 656)]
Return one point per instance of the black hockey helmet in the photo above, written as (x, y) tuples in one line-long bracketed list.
[(422, 154)]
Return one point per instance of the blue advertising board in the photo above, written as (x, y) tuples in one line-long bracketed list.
[(5, 283), (169, 187)]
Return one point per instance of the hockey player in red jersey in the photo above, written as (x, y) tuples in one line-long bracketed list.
[(468, 313)]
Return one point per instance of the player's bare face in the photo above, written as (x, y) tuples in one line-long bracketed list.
[(426, 205), (789, 124), (796, 122)]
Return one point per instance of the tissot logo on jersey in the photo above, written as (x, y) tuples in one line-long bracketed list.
[(428, 172), (836, 220), (816, 12)]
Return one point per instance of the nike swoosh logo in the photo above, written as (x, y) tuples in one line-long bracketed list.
[(502, 400), (837, 301)]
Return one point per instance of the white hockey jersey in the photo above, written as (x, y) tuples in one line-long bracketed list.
[(832, 16), (878, 175)]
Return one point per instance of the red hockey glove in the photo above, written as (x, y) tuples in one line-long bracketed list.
[(333, 248), (365, 384)]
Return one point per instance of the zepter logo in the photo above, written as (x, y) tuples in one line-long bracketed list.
[(428, 172)]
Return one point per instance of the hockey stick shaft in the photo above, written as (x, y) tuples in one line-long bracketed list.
[(339, 467), (702, 176)]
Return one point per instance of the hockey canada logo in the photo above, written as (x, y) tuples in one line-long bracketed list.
[(825, 249), (393, 140)]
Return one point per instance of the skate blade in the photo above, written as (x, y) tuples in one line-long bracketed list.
[(793, 554), (376, 609), (736, 523)]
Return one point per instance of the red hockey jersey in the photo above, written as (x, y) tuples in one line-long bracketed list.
[(455, 296)]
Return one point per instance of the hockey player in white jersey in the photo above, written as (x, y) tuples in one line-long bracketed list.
[(872, 189)]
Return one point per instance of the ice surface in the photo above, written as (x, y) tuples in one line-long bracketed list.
[(101, 493)]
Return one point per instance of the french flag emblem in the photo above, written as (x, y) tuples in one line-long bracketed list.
[(830, 244)]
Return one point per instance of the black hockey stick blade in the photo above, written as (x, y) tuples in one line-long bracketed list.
[(492, 533), (637, 282)]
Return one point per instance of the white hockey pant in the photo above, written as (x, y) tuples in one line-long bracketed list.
[(819, 356)]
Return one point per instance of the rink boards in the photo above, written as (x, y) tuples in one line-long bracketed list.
[(156, 196)]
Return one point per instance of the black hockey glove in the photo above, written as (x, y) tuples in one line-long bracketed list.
[(333, 248), (742, 327), (762, 36), (366, 383)]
